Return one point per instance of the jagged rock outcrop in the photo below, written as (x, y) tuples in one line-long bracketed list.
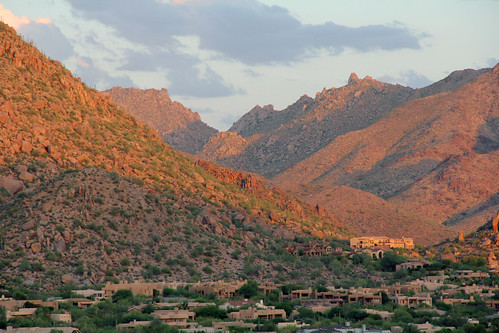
[(181, 128), (427, 157), (276, 140)]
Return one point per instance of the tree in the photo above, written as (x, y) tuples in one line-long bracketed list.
[(3, 318), (122, 294), (390, 260), (249, 289), (211, 311), (410, 329)]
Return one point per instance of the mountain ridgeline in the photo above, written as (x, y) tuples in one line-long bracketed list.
[(381, 158)]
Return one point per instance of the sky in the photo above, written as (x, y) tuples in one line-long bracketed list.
[(222, 57)]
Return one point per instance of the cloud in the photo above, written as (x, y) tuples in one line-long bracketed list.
[(14, 21), (408, 78), (98, 78), (245, 31), (187, 75), (48, 38), (242, 30)]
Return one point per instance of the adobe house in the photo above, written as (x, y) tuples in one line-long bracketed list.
[(221, 289), (253, 313), (21, 313), (364, 242), (492, 303), (176, 317), (409, 265), (136, 288), (398, 289), (469, 274), (412, 301), (96, 294), (302, 293), (132, 324), (62, 317), (225, 325), (310, 250), (365, 299), (268, 287)]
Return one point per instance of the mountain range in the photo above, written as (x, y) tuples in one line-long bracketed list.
[(381, 158)]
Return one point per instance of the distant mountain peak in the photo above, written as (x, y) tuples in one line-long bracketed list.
[(353, 79), (177, 125)]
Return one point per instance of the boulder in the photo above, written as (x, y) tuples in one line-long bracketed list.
[(28, 225), (12, 185), (283, 233), (20, 168), (67, 278), (27, 177), (60, 245), (66, 235), (4, 116), (26, 147), (36, 247), (449, 256)]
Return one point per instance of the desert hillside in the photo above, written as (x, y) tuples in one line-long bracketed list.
[(90, 193)]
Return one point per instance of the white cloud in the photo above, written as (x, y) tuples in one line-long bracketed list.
[(14, 21)]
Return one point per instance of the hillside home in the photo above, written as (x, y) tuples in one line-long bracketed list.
[(12, 304), (311, 250), (398, 289), (470, 275), (221, 289), (321, 305), (176, 318), (253, 313), (66, 317), (429, 328), (412, 301), (95, 294), (267, 287), (132, 324), (142, 288), (224, 326), (410, 265), (21, 313), (365, 299), (492, 303), (82, 303), (363, 242)]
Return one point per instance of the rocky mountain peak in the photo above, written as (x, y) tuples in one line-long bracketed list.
[(353, 79)]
